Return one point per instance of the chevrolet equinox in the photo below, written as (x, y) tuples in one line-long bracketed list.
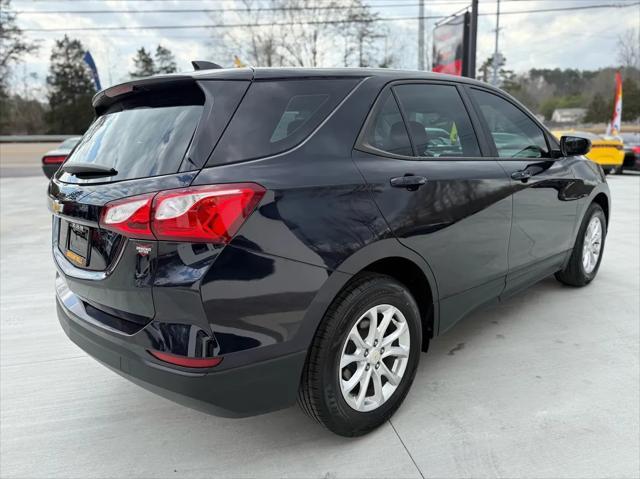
[(239, 239)]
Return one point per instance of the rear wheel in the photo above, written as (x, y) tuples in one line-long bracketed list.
[(364, 356), (587, 251)]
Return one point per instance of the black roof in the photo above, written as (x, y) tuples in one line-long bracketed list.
[(107, 95), (303, 72)]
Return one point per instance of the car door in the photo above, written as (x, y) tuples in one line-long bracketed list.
[(422, 160), (544, 209)]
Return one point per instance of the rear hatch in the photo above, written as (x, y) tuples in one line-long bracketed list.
[(148, 136)]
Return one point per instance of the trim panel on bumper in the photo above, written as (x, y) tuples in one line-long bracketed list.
[(244, 391)]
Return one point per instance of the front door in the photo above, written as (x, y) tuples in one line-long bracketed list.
[(422, 160), (544, 210)]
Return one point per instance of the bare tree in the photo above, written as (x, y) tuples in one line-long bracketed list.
[(361, 33), (258, 42), (13, 46), (308, 30), (629, 48), (305, 33)]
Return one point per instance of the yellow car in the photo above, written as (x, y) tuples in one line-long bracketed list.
[(607, 152)]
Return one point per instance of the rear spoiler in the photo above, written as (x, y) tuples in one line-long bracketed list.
[(107, 97)]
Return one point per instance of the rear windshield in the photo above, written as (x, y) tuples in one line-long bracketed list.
[(139, 142), (277, 115)]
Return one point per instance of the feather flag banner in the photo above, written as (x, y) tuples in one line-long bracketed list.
[(613, 128)]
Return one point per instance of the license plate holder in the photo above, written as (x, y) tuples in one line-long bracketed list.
[(78, 244)]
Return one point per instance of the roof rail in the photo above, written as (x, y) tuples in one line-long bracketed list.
[(205, 65)]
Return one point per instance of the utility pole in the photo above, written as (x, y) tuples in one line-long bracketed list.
[(496, 54), (473, 36), (421, 36)]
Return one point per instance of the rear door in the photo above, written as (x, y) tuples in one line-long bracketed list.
[(544, 207), (421, 155), (151, 137)]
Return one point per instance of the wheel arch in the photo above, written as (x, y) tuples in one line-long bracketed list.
[(388, 257), (603, 200)]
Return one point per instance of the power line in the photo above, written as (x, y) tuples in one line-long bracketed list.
[(315, 22), (261, 9), (221, 10)]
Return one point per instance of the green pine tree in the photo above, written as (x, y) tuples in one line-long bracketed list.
[(70, 87), (143, 64), (164, 60), (599, 110)]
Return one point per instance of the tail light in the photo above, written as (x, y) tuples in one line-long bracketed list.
[(130, 216), (209, 214), (53, 160), (636, 150)]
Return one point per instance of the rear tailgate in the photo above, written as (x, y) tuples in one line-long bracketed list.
[(153, 138)]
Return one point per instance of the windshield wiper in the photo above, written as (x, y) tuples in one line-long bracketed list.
[(89, 170)]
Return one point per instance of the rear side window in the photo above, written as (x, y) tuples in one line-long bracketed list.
[(514, 133), (437, 121), (145, 136), (387, 131), (277, 115)]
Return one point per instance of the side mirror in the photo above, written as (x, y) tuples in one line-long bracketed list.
[(574, 146)]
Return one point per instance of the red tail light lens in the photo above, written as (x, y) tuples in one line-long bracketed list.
[(204, 213), (636, 150), (209, 214), (130, 216), (53, 160), (185, 361)]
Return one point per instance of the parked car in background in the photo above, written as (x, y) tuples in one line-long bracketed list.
[(52, 159), (607, 152), (631, 142), (238, 239)]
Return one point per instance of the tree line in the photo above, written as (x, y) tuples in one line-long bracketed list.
[(70, 88), (545, 90), (278, 33)]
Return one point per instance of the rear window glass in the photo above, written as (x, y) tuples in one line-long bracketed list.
[(275, 116), (144, 134), (139, 142)]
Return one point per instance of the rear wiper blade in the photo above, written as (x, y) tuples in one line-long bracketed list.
[(89, 169)]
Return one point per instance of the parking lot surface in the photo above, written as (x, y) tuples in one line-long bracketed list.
[(544, 385)]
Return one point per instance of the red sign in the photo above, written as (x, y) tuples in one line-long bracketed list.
[(448, 46)]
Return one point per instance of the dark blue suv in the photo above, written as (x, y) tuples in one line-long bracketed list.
[(239, 239)]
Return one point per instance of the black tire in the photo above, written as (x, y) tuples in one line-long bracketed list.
[(574, 273), (320, 395), (620, 170)]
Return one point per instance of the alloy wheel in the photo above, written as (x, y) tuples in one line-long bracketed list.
[(592, 245), (374, 357)]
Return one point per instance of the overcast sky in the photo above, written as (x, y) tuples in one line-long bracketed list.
[(583, 39)]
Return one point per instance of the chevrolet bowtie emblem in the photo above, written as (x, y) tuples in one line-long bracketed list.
[(56, 206)]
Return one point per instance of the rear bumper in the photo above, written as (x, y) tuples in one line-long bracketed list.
[(248, 390)]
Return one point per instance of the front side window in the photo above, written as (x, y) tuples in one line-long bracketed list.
[(387, 131), (437, 121), (514, 133)]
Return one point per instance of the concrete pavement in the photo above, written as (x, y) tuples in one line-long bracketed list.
[(545, 386)]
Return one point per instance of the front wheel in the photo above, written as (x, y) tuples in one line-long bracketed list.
[(364, 356), (587, 251)]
